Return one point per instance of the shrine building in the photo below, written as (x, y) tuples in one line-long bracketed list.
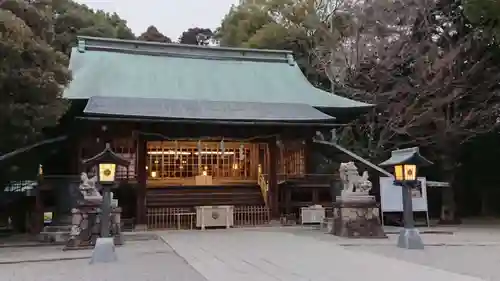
[(201, 126)]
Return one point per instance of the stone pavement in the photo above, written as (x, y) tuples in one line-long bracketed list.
[(445, 236), (140, 260), (275, 254), (469, 250)]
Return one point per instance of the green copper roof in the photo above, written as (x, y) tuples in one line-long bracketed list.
[(119, 68)]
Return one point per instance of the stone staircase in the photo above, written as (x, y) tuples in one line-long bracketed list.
[(190, 196)]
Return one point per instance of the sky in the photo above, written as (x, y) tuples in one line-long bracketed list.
[(171, 17)]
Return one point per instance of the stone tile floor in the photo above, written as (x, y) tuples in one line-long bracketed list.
[(294, 254), (270, 253), (473, 251), (140, 260)]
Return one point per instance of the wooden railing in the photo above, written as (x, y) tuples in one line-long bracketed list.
[(264, 184)]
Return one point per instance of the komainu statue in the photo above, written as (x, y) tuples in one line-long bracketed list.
[(88, 188), (354, 183), (356, 212)]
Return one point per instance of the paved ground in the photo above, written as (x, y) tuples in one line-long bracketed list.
[(294, 254), (473, 251), (272, 253), (140, 260)]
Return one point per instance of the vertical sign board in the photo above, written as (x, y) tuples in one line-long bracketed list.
[(391, 197)]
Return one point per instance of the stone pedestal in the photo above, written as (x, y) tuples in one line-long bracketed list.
[(86, 227), (357, 216)]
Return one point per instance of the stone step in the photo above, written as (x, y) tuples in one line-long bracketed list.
[(57, 228), (53, 236)]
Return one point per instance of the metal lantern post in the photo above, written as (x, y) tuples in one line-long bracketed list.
[(405, 163), (106, 163)]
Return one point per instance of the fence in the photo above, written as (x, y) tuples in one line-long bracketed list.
[(185, 218)]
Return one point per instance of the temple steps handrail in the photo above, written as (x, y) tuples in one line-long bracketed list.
[(355, 156)]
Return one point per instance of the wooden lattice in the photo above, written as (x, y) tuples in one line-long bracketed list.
[(177, 160)]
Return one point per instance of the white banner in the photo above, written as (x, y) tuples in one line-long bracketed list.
[(391, 197)]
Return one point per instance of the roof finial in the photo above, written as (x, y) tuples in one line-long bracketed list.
[(81, 45), (290, 59)]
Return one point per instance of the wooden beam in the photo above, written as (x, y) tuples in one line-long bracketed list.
[(319, 123), (30, 147)]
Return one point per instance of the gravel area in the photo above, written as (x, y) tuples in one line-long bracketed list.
[(142, 260)]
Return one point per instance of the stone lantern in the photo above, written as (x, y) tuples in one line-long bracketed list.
[(405, 164)]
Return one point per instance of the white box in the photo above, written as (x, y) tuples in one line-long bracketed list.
[(203, 180), (312, 214), (210, 216)]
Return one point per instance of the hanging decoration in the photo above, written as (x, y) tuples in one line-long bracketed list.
[(222, 148), (279, 143), (198, 146), (242, 152), (176, 155)]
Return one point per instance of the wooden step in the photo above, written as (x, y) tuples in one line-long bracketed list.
[(203, 203), (179, 194), (203, 195)]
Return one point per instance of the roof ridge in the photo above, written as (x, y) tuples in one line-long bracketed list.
[(86, 43)]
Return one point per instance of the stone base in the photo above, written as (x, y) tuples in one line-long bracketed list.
[(357, 217), (409, 238), (104, 251), (86, 228)]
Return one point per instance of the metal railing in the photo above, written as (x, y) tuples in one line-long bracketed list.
[(171, 218), (20, 186), (251, 216), (185, 218)]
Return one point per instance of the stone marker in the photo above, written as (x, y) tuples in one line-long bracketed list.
[(104, 251)]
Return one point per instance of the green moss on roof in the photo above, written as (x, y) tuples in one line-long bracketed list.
[(119, 68)]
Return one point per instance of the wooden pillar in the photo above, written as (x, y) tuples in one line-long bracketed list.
[(141, 154), (315, 196), (37, 219), (273, 193), (309, 157)]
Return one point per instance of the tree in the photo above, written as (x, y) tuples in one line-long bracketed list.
[(72, 19), (153, 35), (274, 24), (435, 86), (430, 67), (196, 36), (484, 14), (33, 74)]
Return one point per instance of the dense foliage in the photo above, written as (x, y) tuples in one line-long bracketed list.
[(430, 67), (33, 74), (196, 36), (71, 19)]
